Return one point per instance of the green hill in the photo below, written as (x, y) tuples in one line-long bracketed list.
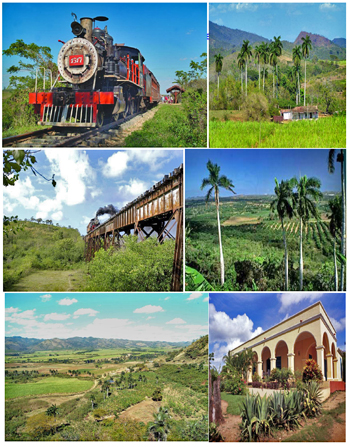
[(30, 247)]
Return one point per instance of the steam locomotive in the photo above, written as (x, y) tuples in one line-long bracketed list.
[(94, 222), (102, 81)]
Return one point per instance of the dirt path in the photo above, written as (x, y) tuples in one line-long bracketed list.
[(141, 412), (230, 428), (129, 127)]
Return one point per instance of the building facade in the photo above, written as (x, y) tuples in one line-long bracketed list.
[(300, 113), (309, 334)]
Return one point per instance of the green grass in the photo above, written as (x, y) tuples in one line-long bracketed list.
[(49, 385), (20, 130), (233, 403), (55, 281), (323, 133)]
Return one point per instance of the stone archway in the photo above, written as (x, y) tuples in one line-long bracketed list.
[(304, 349), (266, 360), (281, 355)]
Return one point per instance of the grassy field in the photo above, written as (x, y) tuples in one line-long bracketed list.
[(49, 385), (253, 246), (233, 403), (323, 133), (55, 281), (124, 412)]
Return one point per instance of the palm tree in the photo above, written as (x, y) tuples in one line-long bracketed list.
[(258, 54), (278, 46), (284, 207), (297, 60), (265, 58), (160, 427), (241, 63), (246, 52), (218, 67), (307, 190), (306, 47), (215, 181), (335, 206), (341, 158)]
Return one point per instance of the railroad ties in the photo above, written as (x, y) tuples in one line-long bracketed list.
[(157, 212)]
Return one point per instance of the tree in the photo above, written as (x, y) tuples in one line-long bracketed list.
[(52, 411), (335, 223), (238, 363), (258, 55), (307, 190), (284, 207), (241, 64), (160, 426), (297, 60), (218, 67), (277, 45), (306, 47), (341, 158), (246, 52), (215, 181), (265, 58)]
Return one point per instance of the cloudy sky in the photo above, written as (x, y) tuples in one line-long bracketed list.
[(235, 318), (86, 180), (282, 19), (175, 317)]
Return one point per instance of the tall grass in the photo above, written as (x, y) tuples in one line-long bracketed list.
[(323, 133)]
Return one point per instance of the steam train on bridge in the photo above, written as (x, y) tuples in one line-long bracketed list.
[(102, 81)]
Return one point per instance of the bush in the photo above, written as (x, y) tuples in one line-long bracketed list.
[(312, 372), (255, 107), (234, 385), (157, 395), (256, 377), (281, 376)]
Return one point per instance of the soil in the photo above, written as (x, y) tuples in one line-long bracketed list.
[(230, 428), (141, 412)]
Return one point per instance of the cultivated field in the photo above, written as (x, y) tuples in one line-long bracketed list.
[(107, 394), (253, 248), (324, 133)]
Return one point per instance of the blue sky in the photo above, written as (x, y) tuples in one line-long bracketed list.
[(86, 180), (253, 171), (237, 317), (175, 317), (282, 19), (168, 35)]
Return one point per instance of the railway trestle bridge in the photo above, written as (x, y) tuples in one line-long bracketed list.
[(155, 213)]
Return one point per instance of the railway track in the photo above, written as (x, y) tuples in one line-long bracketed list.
[(112, 135)]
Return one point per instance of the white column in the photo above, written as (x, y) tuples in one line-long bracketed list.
[(320, 359), (329, 358), (272, 363), (260, 370), (249, 374), (336, 376), (291, 361)]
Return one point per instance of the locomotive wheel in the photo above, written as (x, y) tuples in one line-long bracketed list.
[(116, 116), (100, 118), (132, 107)]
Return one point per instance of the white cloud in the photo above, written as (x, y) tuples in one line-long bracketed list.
[(167, 298), (11, 310), (56, 317), (206, 299), (116, 164), (20, 193), (194, 296), (89, 312), (227, 333), (150, 318), (46, 297), (289, 299), (67, 301), (149, 309), (176, 321), (131, 190), (85, 220), (328, 7), (218, 21), (338, 325), (57, 216), (27, 314)]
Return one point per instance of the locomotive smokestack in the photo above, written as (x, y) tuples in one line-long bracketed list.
[(109, 209), (86, 22)]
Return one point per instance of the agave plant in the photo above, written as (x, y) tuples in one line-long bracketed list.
[(255, 416), (312, 401)]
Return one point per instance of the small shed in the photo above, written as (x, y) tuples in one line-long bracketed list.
[(286, 114), (176, 91), (300, 113)]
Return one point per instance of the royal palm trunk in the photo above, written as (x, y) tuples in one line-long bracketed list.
[(343, 224), (285, 255), (301, 266), (222, 264), (335, 265)]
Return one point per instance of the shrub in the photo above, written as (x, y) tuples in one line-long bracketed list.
[(256, 377), (157, 395), (255, 107), (234, 385), (312, 372), (313, 396), (214, 434)]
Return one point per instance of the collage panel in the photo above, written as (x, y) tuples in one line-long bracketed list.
[(277, 75), (105, 75), (265, 220), (277, 367), (97, 220), (106, 367)]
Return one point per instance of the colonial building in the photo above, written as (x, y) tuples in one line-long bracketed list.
[(300, 113), (309, 334)]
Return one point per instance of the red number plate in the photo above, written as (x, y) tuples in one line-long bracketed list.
[(76, 60)]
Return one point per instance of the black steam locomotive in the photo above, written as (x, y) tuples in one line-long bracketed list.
[(102, 80)]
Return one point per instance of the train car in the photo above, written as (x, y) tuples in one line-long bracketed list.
[(92, 224), (98, 81)]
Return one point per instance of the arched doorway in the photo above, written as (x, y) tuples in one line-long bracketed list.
[(255, 362), (327, 364), (281, 354), (304, 349), (265, 357)]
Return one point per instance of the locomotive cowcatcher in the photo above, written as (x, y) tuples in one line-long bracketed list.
[(101, 81)]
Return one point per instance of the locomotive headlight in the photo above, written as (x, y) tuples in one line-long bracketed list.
[(77, 29)]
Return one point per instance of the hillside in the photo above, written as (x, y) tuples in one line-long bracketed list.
[(230, 40), (20, 344), (32, 246), (198, 350)]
